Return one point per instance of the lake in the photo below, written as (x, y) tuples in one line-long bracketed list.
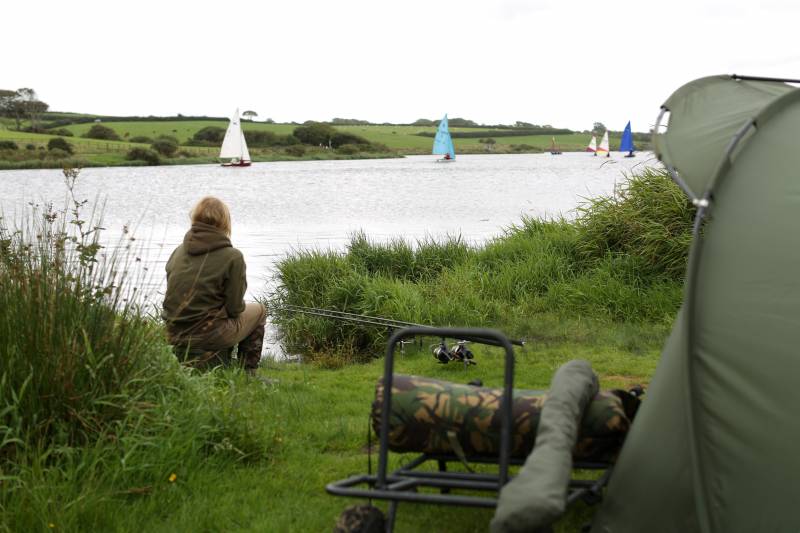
[(280, 206)]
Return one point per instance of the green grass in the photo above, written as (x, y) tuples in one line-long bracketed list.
[(622, 260), (403, 138), (397, 138), (102, 430), (309, 446), (97, 153)]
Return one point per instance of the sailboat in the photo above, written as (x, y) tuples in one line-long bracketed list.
[(234, 146), (554, 150), (592, 145), (443, 143), (603, 148), (626, 145)]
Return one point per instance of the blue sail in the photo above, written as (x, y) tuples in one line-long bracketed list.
[(626, 145), (443, 143)]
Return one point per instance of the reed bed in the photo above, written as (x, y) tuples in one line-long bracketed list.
[(622, 259), (93, 404)]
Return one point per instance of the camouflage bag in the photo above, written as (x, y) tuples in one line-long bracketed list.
[(434, 416)]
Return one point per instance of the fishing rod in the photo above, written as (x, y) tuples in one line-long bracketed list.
[(442, 353)]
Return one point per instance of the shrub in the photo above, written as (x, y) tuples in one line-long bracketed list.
[(58, 143), (297, 150), (315, 134), (340, 138), (165, 145), (523, 148), (8, 145), (348, 149), (143, 154), (260, 138), (30, 146), (375, 147), (210, 134), (57, 153), (268, 138), (63, 132), (143, 139), (98, 131)]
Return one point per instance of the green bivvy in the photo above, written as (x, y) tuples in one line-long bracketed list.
[(714, 448)]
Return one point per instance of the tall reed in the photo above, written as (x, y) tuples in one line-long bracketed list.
[(92, 401), (622, 259), (71, 332)]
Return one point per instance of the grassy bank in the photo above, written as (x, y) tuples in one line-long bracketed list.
[(32, 153), (388, 141), (94, 408), (101, 430), (118, 160), (621, 260), (399, 137)]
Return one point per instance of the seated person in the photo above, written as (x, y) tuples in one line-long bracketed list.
[(204, 306)]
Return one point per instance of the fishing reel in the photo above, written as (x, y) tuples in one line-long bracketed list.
[(458, 352)]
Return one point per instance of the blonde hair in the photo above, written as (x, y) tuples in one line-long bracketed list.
[(214, 212)]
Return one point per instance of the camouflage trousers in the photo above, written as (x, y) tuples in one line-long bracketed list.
[(210, 343)]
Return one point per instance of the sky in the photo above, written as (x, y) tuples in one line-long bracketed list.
[(566, 63)]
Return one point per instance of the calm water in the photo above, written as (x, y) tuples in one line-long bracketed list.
[(277, 207)]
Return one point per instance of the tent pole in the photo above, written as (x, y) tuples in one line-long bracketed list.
[(763, 78), (693, 266), (672, 172)]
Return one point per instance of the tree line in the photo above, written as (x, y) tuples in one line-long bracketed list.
[(22, 104)]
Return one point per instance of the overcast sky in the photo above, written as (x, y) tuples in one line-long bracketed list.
[(567, 63)]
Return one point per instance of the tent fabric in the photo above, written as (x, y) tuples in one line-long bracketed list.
[(703, 117), (537, 496), (714, 447)]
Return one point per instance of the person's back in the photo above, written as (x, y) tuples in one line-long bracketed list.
[(205, 279), (204, 308)]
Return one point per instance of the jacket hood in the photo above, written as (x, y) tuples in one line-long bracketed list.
[(203, 238)]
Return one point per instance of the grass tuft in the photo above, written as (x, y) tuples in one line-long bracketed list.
[(622, 259)]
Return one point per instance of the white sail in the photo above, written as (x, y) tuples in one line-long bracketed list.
[(234, 145), (592, 145), (604, 143)]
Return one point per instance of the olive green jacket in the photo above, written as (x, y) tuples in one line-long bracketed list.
[(206, 280)]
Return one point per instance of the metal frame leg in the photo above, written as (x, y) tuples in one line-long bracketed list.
[(443, 468), (391, 515)]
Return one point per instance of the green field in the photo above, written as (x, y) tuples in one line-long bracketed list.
[(398, 139), (402, 138)]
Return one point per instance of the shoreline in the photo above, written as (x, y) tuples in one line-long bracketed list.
[(36, 164)]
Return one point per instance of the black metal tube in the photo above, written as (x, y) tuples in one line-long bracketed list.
[(763, 78), (442, 474), (420, 497)]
